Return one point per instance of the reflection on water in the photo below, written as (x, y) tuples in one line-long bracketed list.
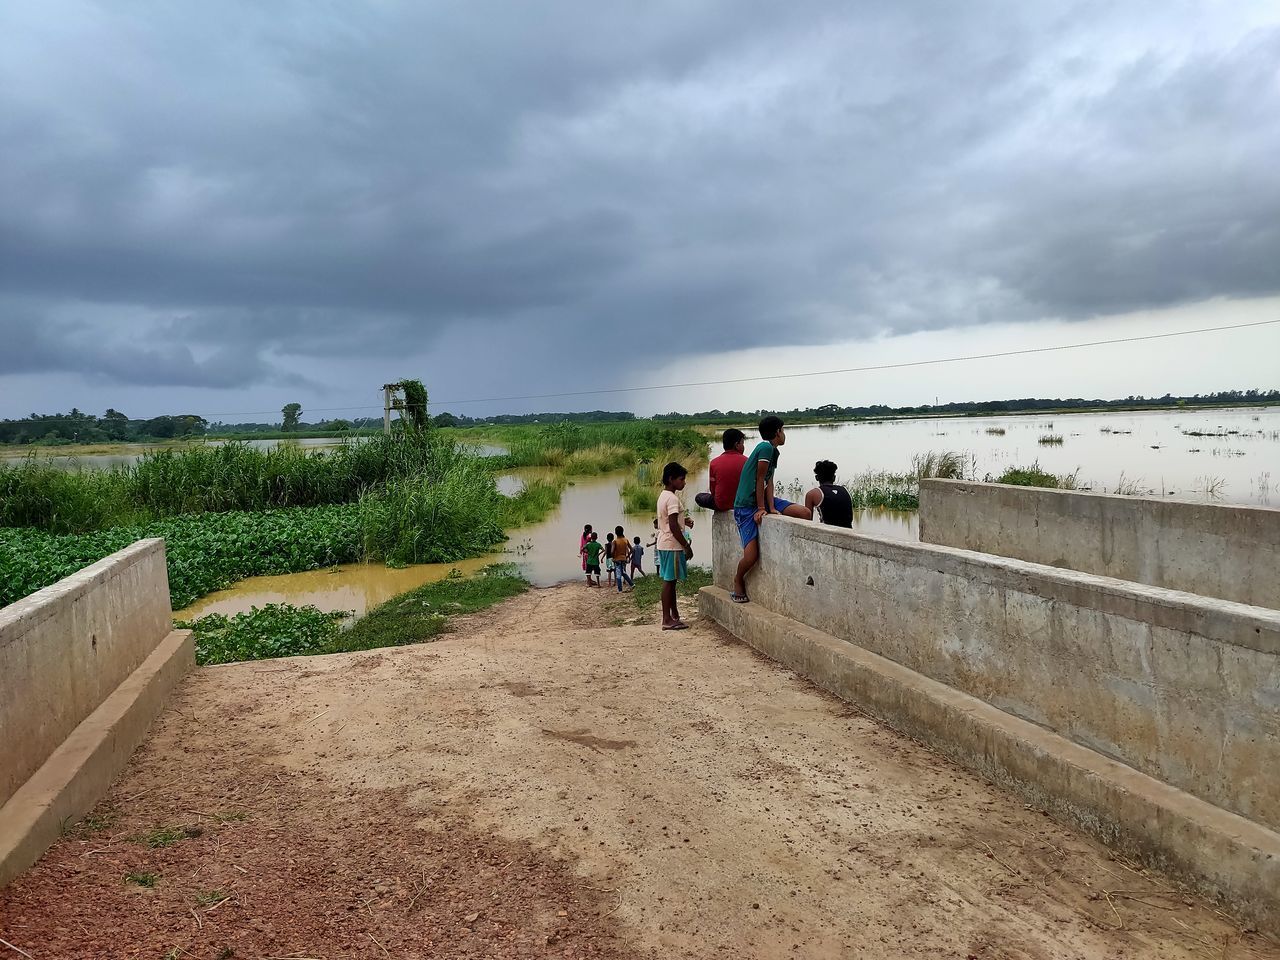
[(357, 587)]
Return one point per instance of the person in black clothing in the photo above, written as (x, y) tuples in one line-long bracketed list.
[(828, 499)]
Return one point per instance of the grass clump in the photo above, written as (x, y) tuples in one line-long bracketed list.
[(423, 614), (208, 898), (648, 590), (1050, 440), (582, 448), (996, 431), (276, 630), (142, 879), (533, 503), (944, 465), (1034, 476), (163, 837)]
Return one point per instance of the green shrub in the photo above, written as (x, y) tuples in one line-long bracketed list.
[(434, 519)]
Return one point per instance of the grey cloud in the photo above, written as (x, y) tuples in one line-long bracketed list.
[(245, 191)]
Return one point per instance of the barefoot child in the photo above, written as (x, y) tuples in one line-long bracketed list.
[(591, 551), (586, 535), (673, 549), (637, 555), (755, 500), (608, 559)]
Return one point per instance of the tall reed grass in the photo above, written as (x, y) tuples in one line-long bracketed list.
[(213, 478)]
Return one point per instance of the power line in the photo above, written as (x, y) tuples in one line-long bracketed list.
[(878, 366), (756, 379)]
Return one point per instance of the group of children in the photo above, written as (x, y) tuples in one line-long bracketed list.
[(671, 540), (739, 482), (619, 555)]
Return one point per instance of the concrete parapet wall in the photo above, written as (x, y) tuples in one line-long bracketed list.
[(1216, 550), (66, 648), (1225, 856), (1182, 688)]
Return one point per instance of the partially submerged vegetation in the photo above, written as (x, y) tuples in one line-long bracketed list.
[(284, 630), (233, 511), (1034, 476)]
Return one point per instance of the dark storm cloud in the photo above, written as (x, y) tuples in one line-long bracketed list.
[(219, 196)]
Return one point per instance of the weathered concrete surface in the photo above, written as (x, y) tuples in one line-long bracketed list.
[(65, 649), (695, 800), (1182, 688), (78, 773), (1220, 854), (1216, 550)]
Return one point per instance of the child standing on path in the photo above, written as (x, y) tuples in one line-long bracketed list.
[(621, 559), (637, 555), (673, 549), (755, 500), (586, 535), (591, 551), (608, 558)]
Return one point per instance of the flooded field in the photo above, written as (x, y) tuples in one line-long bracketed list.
[(1228, 456)]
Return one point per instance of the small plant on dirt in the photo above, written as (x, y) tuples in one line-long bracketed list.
[(163, 837), (230, 816), (648, 589), (142, 879), (210, 897)]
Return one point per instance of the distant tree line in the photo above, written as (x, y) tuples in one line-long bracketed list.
[(52, 429), (833, 411)]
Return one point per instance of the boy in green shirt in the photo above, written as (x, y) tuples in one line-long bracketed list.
[(591, 551), (755, 500)]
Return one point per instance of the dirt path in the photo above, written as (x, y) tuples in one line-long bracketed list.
[(546, 783)]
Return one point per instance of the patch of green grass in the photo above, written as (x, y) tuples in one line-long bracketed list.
[(230, 816), (532, 504), (283, 630), (423, 614), (275, 630), (648, 590), (163, 837), (208, 898), (1033, 476), (142, 879)]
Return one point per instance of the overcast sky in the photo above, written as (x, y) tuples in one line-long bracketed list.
[(223, 207)]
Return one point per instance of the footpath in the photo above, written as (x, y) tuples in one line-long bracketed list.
[(557, 780)]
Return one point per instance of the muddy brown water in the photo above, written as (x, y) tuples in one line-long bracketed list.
[(546, 552)]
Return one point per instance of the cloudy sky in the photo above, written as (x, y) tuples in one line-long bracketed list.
[(220, 208)]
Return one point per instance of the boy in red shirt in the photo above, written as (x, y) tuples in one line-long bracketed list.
[(726, 471)]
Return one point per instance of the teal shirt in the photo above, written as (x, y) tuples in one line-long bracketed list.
[(767, 452)]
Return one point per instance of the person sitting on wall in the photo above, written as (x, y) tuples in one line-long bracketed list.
[(755, 500), (726, 471), (829, 501)]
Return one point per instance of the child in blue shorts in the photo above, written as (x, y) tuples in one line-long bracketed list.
[(755, 500)]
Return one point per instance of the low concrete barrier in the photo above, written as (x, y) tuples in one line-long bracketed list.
[(1124, 681), (1216, 550), (85, 665)]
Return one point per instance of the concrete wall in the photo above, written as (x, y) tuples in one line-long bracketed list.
[(1216, 550), (66, 648), (1183, 688)]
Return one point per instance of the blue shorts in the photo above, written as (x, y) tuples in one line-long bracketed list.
[(746, 519), (671, 565)]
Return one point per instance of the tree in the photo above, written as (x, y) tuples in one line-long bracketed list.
[(115, 424), (292, 413), (445, 420), (342, 426)]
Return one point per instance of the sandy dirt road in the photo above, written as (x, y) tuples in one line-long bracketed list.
[(547, 782)]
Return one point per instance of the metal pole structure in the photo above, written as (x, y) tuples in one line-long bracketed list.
[(386, 409)]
